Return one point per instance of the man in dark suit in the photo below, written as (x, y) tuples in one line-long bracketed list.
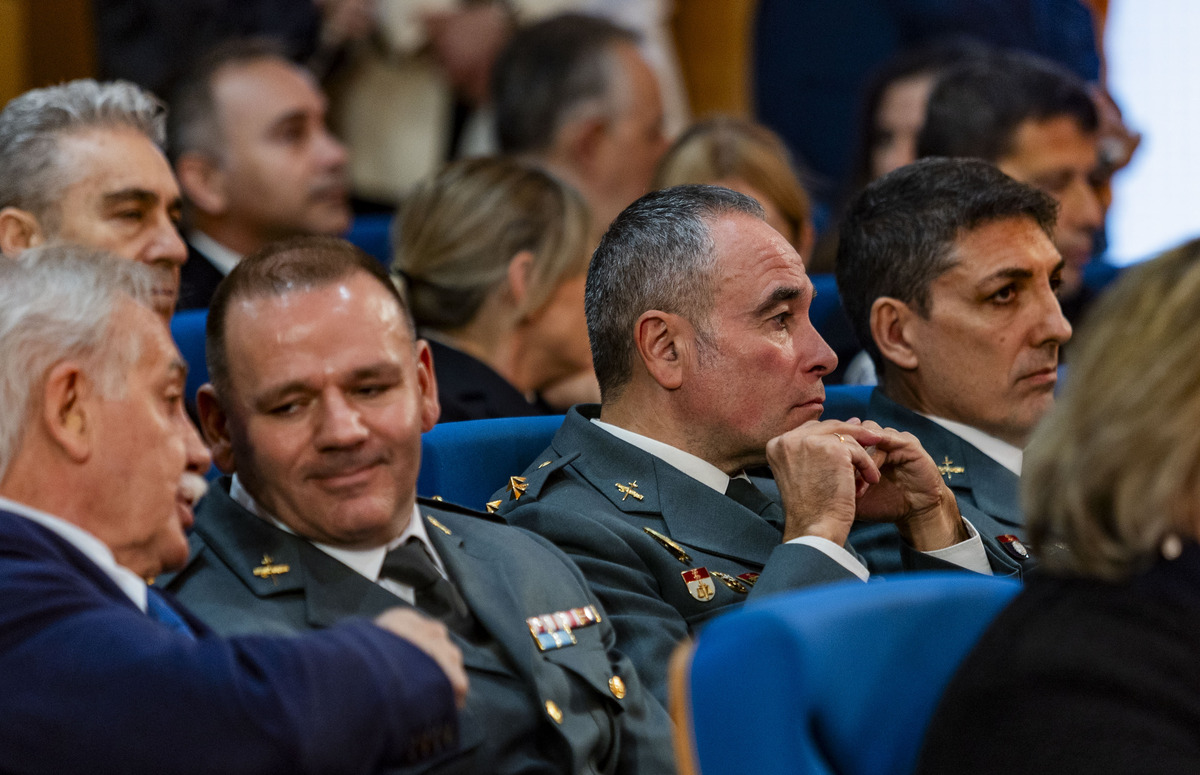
[(319, 397), (98, 474), (948, 273), (254, 157), (708, 365)]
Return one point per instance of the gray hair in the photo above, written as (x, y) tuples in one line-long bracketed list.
[(554, 72), (1114, 468), (32, 125), (59, 302), (899, 233), (657, 254)]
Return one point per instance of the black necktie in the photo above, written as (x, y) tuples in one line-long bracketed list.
[(744, 492), (411, 564)]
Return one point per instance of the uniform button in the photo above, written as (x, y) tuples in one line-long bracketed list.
[(553, 711), (617, 687)]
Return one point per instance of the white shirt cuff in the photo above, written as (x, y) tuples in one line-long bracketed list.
[(841, 556), (968, 554)]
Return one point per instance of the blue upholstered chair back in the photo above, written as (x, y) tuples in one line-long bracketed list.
[(187, 329), (373, 233), (465, 462), (836, 679)]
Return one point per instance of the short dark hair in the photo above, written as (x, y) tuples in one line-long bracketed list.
[(657, 254), (193, 123), (548, 72), (898, 235), (976, 108), (298, 263)]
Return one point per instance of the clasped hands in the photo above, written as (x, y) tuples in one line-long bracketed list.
[(832, 472)]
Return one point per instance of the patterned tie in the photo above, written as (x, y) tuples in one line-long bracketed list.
[(744, 492), (158, 609), (410, 564)]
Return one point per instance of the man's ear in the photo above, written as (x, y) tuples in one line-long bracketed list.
[(893, 331), (203, 183), (67, 410), (582, 141), (427, 387), (214, 426), (19, 230), (665, 343)]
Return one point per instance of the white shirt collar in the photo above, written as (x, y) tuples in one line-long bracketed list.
[(367, 562), (218, 255), (1001, 451), (697, 468), (92, 547)]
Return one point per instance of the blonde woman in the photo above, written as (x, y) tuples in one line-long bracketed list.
[(1093, 667), (750, 159), (493, 256)]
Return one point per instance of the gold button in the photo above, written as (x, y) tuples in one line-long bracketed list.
[(553, 711), (617, 687)]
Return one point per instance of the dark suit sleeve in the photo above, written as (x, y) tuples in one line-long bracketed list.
[(132, 696)]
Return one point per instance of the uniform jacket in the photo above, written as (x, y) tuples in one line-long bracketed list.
[(988, 493), (574, 497), (89, 683), (606, 721)]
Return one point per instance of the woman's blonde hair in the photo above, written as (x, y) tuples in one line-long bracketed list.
[(1113, 470), (458, 232), (726, 147)]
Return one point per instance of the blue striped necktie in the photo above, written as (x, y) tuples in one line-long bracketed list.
[(158, 609)]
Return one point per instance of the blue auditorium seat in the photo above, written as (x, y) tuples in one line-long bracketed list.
[(373, 233), (187, 329), (465, 462), (838, 679)]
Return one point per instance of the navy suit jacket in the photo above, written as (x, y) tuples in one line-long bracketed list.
[(506, 576), (198, 281), (89, 683), (988, 493), (572, 498)]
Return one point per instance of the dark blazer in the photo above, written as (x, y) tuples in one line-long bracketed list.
[(1081, 675), (88, 683), (572, 498), (197, 281), (506, 576), (988, 493), (468, 389)]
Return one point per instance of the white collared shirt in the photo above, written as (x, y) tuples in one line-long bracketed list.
[(366, 562), (92, 547), (708, 474), (217, 254), (1001, 451)]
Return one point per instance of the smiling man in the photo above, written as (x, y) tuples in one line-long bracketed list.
[(708, 365), (255, 159), (948, 272), (81, 163), (320, 394)]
